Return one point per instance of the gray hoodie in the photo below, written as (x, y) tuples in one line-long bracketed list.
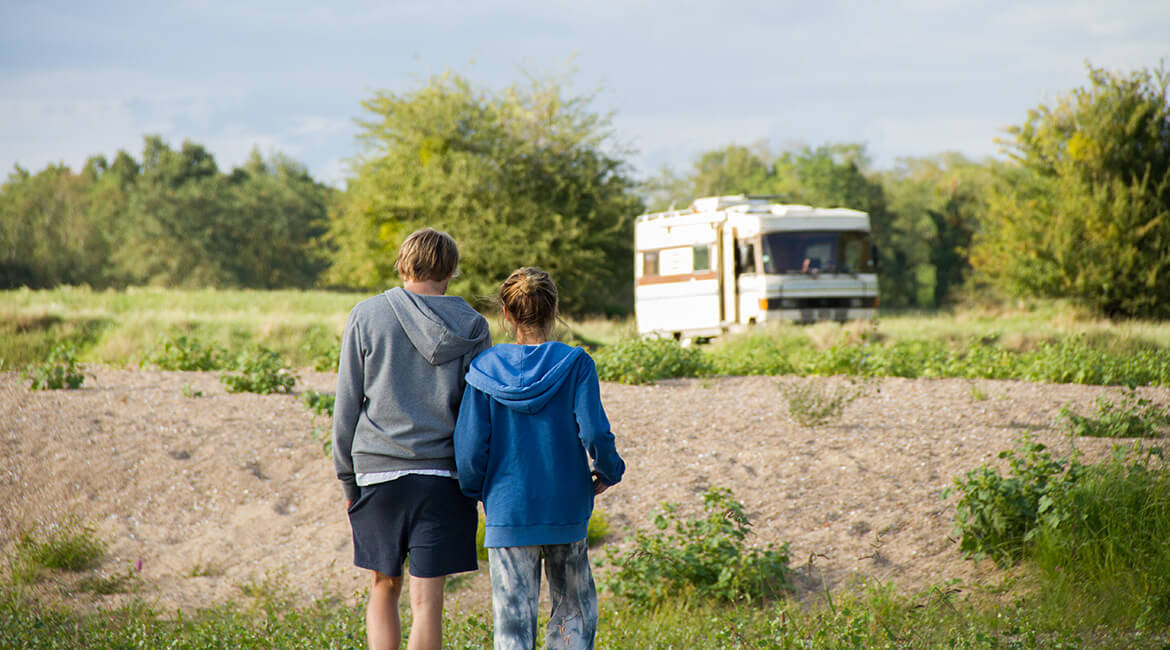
[(399, 382)]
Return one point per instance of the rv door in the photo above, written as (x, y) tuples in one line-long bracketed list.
[(728, 280)]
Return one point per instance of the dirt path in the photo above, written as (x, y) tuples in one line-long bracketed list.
[(218, 491)]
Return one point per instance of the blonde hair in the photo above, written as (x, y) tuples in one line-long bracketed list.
[(427, 254), (530, 297)]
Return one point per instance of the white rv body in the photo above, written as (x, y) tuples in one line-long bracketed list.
[(732, 261)]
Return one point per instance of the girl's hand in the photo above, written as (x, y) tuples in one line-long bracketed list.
[(599, 485)]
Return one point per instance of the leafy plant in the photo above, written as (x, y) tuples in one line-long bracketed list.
[(325, 358), (61, 370), (190, 392), (1108, 546), (319, 403), (997, 515), (116, 583), (814, 403), (68, 547), (706, 558), (260, 370), (186, 353), (642, 361), (1134, 417), (325, 437)]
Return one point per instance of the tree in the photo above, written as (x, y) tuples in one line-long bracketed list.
[(940, 199), (523, 176), (1084, 210)]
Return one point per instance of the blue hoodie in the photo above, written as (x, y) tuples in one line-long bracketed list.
[(529, 416)]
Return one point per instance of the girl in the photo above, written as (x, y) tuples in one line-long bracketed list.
[(530, 414)]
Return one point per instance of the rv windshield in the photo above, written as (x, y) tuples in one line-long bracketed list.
[(817, 252)]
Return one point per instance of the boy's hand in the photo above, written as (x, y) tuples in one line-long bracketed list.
[(599, 485)]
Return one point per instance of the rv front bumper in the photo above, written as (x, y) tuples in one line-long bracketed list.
[(809, 310)]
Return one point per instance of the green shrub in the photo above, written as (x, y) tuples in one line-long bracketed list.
[(642, 361), (996, 514), (186, 353), (1134, 417), (60, 371), (68, 547), (325, 357), (1107, 552), (260, 370), (319, 403), (703, 558), (813, 403)]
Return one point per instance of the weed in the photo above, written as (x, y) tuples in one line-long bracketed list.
[(61, 370), (598, 529), (186, 353), (319, 403), (1134, 417), (325, 437), (977, 393), (325, 358), (260, 371), (642, 361), (814, 403), (190, 392), (67, 547), (205, 570), (998, 514), (118, 583), (704, 558)]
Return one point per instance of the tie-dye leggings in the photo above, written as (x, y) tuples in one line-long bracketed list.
[(516, 588)]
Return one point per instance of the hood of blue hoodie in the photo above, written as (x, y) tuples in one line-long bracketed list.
[(523, 377)]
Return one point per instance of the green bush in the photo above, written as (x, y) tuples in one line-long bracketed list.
[(997, 515), (61, 370), (67, 547), (260, 370), (703, 558), (184, 353), (319, 403), (1107, 552), (1134, 417), (325, 357), (642, 361), (812, 403)]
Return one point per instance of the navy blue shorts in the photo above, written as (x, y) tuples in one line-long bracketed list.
[(424, 517)]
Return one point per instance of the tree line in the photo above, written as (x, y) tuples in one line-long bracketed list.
[(531, 174)]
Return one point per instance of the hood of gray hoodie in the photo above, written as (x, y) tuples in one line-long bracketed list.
[(440, 327)]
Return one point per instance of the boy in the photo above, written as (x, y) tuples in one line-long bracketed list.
[(404, 355)]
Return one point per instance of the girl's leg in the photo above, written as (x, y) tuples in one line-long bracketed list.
[(515, 589), (573, 623)]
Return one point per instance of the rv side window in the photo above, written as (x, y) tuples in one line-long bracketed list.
[(650, 263), (702, 258), (746, 260)]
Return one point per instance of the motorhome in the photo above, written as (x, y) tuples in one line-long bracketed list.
[(728, 262)]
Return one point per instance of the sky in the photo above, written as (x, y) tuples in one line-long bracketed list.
[(908, 78)]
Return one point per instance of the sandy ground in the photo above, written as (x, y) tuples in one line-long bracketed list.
[(215, 492)]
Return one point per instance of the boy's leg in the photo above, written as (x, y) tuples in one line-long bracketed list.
[(383, 629), (571, 592), (426, 613), (515, 574)]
